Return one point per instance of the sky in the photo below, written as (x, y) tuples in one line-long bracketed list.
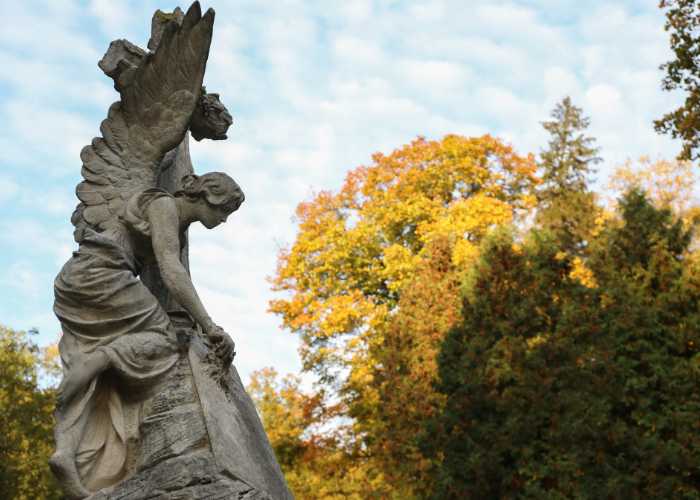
[(315, 88)]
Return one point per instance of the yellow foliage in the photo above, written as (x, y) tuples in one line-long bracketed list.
[(356, 250), (668, 183), (536, 341), (399, 264), (359, 250), (582, 273), (26, 420)]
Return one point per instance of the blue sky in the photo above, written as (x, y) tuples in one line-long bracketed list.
[(315, 87)]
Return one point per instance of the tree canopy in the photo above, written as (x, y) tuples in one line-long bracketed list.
[(359, 251), (683, 73), (26, 419), (559, 390), (566, 206)]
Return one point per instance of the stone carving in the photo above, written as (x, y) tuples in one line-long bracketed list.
[(150, 405)]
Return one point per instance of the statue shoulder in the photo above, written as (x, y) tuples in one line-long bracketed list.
[(136, 210)]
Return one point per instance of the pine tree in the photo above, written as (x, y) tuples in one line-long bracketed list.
[(568, 161), (567, 206)]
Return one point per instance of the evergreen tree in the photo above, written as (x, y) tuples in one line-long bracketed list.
[(568, 161), (558, 390), (567, 207)]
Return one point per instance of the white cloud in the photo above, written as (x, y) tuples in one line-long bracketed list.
[(315, 89), (46, 139), (23, 279), (357, 52), (8, 189), (434, 76), (110, 15), (604, 100), (35, 238), (558, 82)]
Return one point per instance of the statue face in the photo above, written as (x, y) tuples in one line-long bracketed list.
[(211, 216), (210, 119)]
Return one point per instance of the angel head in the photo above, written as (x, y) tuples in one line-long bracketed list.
[(210, 119), (217, 194)]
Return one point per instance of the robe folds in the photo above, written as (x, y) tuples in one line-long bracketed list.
[(104, 307)]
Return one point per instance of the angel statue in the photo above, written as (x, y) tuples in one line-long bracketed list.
[(117, 337)]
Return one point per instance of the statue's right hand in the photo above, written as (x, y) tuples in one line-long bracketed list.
[(225, 346)]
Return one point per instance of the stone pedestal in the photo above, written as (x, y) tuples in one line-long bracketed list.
[(199, 437)]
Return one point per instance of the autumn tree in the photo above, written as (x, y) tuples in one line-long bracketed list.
[(358, 251), (406, 373), (310, 450), (566, 205), (683, 73), (558, 390), (667, 184), (26, 420)]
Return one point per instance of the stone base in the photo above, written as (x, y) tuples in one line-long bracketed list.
[(199, 437), (189, 477)]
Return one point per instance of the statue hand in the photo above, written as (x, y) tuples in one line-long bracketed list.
[(225, 347)]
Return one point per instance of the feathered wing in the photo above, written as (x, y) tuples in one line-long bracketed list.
[(158, 98)]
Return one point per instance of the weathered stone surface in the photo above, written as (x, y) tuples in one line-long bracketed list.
[(150, 406), (120, 61), (200, 437), (238, 439), (159, 21), (190, 477)]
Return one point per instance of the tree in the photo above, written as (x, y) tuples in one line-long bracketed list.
[(502, 370), (683, 73), (359, 250), (26, 420), (308, 446), (406, 374), (558, 390), (667, 184), (568, 161), (566, 205)]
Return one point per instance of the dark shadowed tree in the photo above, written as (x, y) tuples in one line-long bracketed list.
[(683, 73), (558, 390)]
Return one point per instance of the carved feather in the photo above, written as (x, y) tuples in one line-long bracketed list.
[(158, 98)]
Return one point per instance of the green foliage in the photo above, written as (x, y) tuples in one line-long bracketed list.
[(571, 216), (683, 72), (569, 158), (26, 421), (566, 206), (557, 390)]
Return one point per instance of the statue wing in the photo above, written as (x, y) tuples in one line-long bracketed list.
[(158, 98)]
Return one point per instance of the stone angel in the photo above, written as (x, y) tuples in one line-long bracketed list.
[(116, 334)]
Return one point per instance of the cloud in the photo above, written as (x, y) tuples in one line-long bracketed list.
[(35, 237), (111, 16), (8, 189), (45, 139), (315, 89)]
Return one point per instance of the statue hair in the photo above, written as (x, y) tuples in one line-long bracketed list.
[(217, 188)]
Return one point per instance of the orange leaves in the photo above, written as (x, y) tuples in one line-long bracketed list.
[(345, 312), (399, 231), (356, 250)]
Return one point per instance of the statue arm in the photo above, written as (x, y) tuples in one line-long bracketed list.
[(163, 217)]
